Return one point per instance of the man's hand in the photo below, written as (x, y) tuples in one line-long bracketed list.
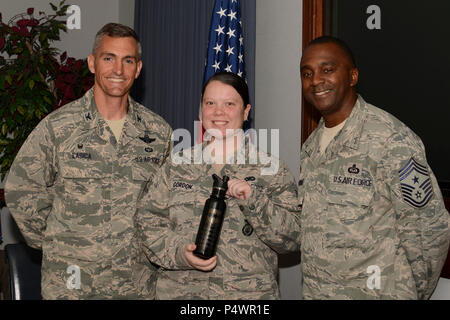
[(196, 262), (239, 189)]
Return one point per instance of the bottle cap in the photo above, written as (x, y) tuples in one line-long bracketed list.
[(220, 185)]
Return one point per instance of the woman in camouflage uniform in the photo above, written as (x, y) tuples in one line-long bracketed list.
[(261, 218)]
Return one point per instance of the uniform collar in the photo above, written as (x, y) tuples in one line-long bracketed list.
[(92, 119), (351, 132), (198, 157), (349, 136)]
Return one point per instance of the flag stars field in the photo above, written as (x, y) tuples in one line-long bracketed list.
[(226, 42)]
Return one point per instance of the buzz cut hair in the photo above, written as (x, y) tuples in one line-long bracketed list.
[(116, 30), (339, 42)]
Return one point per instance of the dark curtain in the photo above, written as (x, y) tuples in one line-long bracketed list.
[(174, 37)]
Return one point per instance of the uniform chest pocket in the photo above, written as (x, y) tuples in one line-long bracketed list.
[(184, 207), (81, 165), (183, 192), (81, 187), (142, 174), (349, 230), (349, 206)]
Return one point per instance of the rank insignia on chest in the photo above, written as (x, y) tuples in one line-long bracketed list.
[(415, 184), (147, 139), (353, 169)]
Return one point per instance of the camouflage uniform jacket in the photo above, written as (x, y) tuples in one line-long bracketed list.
[(253, 231), (72, 190), (374, 225)]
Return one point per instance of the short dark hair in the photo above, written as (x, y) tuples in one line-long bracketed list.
[(116, 30), (339, 42), (232, 79)]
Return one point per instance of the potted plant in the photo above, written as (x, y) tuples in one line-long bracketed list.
[(35, 78)]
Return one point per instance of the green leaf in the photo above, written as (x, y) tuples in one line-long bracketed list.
[(21, 110), (31, 84), (4, 142), (5, 163), (9, 79), (43, 37), (47, 99), (53, 6), (4, 129)]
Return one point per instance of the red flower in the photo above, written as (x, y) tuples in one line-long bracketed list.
[(30, 11), (65, 69), (70, 79), (60, 85), (23, 23), (24, 31), (2, 43), (33, 23), (63, 56), (69, 94), (78, 65)]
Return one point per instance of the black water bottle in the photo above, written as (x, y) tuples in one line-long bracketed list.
[(212, 219)]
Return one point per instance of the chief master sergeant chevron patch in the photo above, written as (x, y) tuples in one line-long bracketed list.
[(415, 184)]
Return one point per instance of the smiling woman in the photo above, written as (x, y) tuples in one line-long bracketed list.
[(225, 106), (261, 217)]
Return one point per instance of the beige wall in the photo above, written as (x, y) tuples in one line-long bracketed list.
[(94, 14), (278, 96)]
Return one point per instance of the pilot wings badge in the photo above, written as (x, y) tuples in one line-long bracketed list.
[(415, 182)]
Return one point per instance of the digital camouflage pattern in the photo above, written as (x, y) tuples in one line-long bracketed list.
[(72, 190), (253, 231), (356, 217)]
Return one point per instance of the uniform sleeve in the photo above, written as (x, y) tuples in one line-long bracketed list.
[(422, 222), (169, 144), (29, 186), (274, 213), (158, 239)]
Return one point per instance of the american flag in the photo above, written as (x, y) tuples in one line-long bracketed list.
[(226, 41), (226, 45)]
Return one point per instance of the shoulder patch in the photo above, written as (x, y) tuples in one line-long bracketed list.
[(415, 183)]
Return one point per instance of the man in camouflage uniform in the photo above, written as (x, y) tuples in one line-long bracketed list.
[(73, 186), (253, 231), (374, 225)]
